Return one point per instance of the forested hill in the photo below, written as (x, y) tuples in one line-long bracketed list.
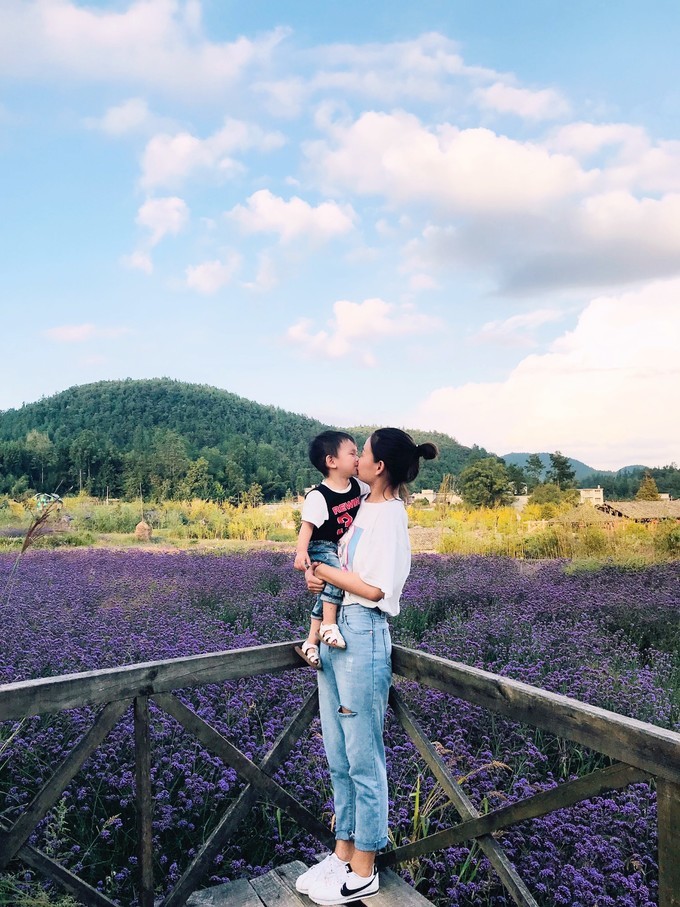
[(127, 413), (174, 440)]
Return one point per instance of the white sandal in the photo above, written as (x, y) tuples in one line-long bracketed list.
[(310, 653), (331, 635)]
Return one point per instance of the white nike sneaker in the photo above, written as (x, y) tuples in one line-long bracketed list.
[(329, 866), (343, 888)]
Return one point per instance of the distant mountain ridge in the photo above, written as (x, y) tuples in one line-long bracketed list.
[(150, 430), (581, 469)]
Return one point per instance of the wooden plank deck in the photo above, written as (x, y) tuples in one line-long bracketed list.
[(277, 889)]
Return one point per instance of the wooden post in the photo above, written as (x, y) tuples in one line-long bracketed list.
[(668, 817), (144, 800)]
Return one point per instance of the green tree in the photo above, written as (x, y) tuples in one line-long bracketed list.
[(198, 482), (533, 469), (169, 462), (518, 478), (83, 452), (547, 493), (561, 472), (41, 450), (484, 483), (648, 490), (253, 497)]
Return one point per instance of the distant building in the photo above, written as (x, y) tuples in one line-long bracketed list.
[(427, 494), (435, 497), (594, 496), (449, 498), (643, 511)]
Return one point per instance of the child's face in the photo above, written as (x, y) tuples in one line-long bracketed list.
[(346, 460)]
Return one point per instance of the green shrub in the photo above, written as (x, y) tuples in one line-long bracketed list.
[(592, 540), (667, 538), (279, 534), (68, 539), (549, 542)]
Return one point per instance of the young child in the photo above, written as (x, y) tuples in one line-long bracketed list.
[(327, 513)]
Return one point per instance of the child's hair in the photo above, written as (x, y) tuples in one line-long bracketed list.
[(327, 444), (401, 455)]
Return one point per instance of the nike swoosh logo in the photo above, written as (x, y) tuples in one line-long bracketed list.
[(347, 892)]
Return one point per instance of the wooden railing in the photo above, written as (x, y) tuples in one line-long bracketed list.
[(640, 751)]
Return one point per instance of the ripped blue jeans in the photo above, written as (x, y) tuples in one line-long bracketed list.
[(357, 678)]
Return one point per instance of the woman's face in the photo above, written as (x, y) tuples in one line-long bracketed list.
[(368, 468)]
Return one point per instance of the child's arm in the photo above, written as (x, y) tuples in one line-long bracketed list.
[(304, 536)]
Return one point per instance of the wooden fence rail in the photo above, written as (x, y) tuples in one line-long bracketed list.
[(640, 751)]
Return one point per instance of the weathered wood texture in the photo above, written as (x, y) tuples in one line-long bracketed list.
[(47, 796), (239, 893), (54, 694), (394, 891), (271, 889), (668, 811), (144, 801), (233, 757), (643, 749), (507, 873), (54, 871), (239, 810), (653, 749), (568, 794)]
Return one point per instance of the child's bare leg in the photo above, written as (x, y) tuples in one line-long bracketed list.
[(330, 613), (315, 623), (330, 632)]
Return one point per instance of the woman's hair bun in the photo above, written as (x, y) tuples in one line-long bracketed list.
[(427, 451)]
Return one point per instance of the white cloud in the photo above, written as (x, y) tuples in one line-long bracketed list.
[(268, 213), (210, 276), (129, 116), (154, 43), (518, 329), (355, 328), (629, 158), (584, 139), (163, 216), (267, 275), (530, 217), (426, 69), (611, 385), (285, 97), (455, 171), (171, 159), (138, 261), (543, 104), (81, 333), (608, 239), (422, 282)]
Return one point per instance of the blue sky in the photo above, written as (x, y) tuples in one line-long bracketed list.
[(445, 215)]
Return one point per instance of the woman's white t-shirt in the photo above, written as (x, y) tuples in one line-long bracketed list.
[(378, 549)]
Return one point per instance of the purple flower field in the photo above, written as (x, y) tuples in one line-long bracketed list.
[(609, 637)]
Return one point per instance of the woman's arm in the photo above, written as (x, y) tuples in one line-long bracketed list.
[(343, 579)]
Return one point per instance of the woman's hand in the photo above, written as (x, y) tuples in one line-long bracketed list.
[(314, 583)]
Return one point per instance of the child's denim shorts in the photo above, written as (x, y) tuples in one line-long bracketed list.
[(325, 553)]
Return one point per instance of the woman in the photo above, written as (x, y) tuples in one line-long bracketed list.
[(354, 683)]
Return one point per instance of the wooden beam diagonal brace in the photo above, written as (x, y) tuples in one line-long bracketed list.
[(655, 750), (241, 807), (47, 796), (233, 757), (50, 869), (466, 809), (612, 778)]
